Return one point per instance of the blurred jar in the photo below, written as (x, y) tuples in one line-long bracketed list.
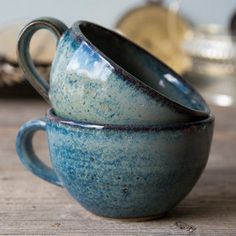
[(212, 50)]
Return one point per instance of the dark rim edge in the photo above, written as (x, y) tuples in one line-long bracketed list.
[(50, 115)]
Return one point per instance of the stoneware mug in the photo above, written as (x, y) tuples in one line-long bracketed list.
[(99, 76), (120, 171)]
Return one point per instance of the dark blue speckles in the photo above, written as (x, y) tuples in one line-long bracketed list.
[(71, 173), (72, 82), (125, 190), (93, 177)]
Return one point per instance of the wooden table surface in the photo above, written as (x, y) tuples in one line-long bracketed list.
[(31, 206)]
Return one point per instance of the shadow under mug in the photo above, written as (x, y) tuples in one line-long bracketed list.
[(120, 171), (99, 76)]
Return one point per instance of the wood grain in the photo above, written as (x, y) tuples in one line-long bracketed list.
[(30, 206)]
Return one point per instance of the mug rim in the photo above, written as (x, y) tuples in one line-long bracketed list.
[(50, 115), (152, 92)]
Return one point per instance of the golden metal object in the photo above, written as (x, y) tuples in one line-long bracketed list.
[(160, 31)]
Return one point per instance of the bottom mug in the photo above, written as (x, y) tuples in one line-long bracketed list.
[(116, 170)]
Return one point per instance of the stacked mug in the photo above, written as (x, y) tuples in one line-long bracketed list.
[(127, 136)]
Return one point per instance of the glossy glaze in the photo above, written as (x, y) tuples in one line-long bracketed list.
[(121, 171), (98, 76)]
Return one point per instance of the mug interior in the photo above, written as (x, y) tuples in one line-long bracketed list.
[(149, 70)]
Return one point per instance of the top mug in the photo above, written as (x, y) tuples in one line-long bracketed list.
[(99, 76)]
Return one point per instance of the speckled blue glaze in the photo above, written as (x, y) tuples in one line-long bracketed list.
[(99, 76), (120, 171)]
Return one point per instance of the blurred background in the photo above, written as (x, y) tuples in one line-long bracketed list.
[(108, 12), (195, 38)]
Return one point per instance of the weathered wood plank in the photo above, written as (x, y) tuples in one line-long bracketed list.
[(30, 206), (15, 113)]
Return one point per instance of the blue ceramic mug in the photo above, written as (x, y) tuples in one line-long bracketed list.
[(120, 171), (99, 76)]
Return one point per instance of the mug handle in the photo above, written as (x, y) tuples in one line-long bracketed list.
[(24, 58), (27, 155)]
